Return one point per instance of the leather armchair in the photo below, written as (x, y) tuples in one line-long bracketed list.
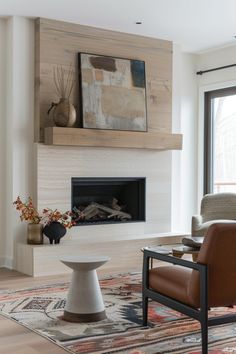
[(219, 207), (192, 288)]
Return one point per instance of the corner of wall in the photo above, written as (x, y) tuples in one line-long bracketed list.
[(3, 161), (19, 91), (185, 117)]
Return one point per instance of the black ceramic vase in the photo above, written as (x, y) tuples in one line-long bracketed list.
[(54, 231)]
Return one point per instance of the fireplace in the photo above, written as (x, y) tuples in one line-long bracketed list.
[(108, 200)]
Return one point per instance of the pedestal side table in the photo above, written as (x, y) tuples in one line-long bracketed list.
[(84, 301)]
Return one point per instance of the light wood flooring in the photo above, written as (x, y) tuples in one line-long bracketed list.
[(14, 338)]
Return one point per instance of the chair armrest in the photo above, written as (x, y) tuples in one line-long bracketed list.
[(147, 254), (196, 223), (201, 268)]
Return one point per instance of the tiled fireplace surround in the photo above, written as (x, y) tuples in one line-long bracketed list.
[(57, 165), (122, 242)]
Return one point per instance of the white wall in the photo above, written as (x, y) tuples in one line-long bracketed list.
[(2, 136), (216, 58), (19, 118), (185, 120), (188, 117)]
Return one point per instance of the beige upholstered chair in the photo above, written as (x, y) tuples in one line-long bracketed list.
[(220, 207)]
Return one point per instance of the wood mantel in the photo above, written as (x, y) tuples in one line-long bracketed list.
[(112, 138)]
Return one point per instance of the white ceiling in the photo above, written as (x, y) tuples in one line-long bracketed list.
[(196, 25)]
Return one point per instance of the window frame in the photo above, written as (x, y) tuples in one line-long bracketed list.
[(208, 134)]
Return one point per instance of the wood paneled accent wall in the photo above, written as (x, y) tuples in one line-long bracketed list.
[(58, 43)]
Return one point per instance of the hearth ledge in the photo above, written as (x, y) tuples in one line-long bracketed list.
[(43, 260)]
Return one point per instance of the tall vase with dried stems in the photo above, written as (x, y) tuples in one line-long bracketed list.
[(64, 113)]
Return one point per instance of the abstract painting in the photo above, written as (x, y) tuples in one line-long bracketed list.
[(112, 93)]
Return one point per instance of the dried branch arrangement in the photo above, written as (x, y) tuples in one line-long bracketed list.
[(64, 81)]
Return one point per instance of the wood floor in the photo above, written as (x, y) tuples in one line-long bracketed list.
[(14, 338)]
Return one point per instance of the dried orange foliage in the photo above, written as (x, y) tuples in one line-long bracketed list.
[(29, 213)]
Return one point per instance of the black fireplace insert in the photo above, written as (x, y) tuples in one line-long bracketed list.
[(106, 200)]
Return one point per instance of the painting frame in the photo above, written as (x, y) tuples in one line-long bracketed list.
[(133, 123)]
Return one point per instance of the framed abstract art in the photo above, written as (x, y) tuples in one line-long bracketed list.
[(112, 93)]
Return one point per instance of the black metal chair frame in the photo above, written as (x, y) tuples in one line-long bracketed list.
[(200, 314)]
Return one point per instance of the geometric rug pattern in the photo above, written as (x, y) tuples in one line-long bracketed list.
[(40, 309)]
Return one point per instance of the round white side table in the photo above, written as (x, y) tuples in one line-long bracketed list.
[(84, 301)]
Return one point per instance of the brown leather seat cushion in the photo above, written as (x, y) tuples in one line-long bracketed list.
[(172, 281)]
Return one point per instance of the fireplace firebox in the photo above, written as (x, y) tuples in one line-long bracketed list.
[(106, 200)]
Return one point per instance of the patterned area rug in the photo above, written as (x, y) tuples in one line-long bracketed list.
[(40, 309)]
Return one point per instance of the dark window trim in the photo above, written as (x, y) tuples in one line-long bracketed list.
[(208, 134)]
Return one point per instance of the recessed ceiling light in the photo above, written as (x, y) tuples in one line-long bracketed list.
[(138, 22)]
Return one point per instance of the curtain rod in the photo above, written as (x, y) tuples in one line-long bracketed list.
[(219, 68)]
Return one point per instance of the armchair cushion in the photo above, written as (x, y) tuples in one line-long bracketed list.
[(172, 281), (218, 252)]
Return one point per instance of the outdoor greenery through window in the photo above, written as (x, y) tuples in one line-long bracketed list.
[(220, 141)]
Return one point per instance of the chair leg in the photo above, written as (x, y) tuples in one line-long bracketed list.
[(145, 310), (204, 332)]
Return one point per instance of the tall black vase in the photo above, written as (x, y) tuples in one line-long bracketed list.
[(54, 231)]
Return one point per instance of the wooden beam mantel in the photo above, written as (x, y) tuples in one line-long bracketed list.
[(112, 138)]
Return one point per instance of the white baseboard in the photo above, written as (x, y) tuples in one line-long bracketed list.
[(6, 262), (2, 261)]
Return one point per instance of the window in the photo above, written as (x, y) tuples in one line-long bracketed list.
[(220, 141)]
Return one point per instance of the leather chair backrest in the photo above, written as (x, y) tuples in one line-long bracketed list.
[(218, 251), (218, 206)]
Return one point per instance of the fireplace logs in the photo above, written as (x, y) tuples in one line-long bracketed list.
[(96, 211)]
